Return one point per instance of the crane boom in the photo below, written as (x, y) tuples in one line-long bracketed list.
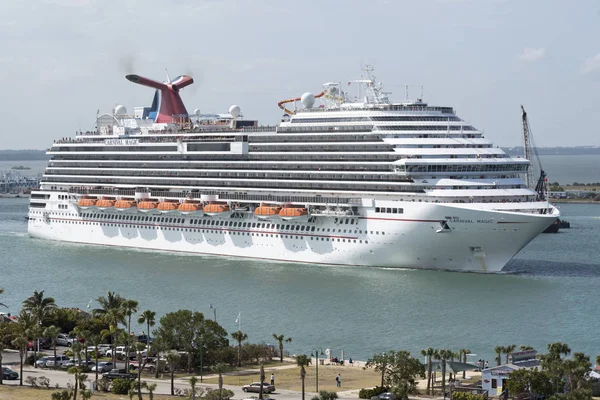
[(538, 185), (530, 179)]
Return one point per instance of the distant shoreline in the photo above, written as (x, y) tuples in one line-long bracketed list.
[(573, 201)]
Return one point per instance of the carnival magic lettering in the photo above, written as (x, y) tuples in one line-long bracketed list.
[(121, 142), (458, 220)]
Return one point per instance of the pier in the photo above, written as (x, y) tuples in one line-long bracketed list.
[(13, 182)]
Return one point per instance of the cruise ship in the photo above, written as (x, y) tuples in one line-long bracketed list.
[(348, 177)]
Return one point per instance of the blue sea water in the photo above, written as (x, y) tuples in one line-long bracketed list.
[(549, 292)]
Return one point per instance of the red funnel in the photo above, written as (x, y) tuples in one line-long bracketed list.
[(170, 101)]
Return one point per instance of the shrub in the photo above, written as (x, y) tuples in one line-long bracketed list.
[(43, 382), (325, 395), (120, 386), (213, 394), (466, 396), (64, 395), (367, 393), (31, 380), (103, 385)]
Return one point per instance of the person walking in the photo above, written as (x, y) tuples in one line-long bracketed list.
[(338, 380), (272, 379)]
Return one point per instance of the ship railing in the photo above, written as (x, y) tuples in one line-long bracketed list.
[(288, 199), (103, 192), (382, 107), (224, 196)]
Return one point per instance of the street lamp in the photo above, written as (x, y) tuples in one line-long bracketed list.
[(316, 351), (214, 310)]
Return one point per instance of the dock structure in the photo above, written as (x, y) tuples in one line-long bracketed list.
[(14, 182)]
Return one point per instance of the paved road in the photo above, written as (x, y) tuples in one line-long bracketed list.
[(163, 385)]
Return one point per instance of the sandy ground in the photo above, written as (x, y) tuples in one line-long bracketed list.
[(288, 377)]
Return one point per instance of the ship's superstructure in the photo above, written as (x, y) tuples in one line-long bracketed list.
[(345, 181)]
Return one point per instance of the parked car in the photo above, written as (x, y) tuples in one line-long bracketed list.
[(9, 374), (41, 363), (255, 387), (144, 339), (60, 361), (118, 374), (102, 349), (75, 363), (62, 339), (385, 396), (119, 351), (103, 366), (149, 364)]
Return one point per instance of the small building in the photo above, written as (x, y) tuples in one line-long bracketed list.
[(493, 379)]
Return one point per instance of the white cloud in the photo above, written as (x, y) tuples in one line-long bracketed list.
[(592, 64), (532, 55)]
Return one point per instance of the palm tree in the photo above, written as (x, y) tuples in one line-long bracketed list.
[(462, 357), (303, 361), (20, 342), (139, 349), (3, 336), (499, 350), (444, 355), (52, 332), (151, 387), (149, 318), (428, 353), (509, 349), (114, 333), (2, 304), (40, 308), (239, 337), (173, 359), (262, 381), (129, 307), (280, 339), (113, 313), (80, 377), (81, 331), (220, 369), (76, 348), (95, 340), (193, 382)]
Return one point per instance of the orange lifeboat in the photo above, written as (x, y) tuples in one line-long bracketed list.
[(190, 207), (216, 209), (147, 205), (288, 213), (266, 211), (105, 203), (124, 204), (87, 202), (167, 206)]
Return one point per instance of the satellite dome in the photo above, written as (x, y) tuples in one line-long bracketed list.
[(235, 111), (197, 112), (120, 110), (307, 100)]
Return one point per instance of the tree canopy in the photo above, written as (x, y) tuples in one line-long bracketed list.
[(397, 368)]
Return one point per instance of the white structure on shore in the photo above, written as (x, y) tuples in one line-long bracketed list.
[(493, 379), (348, 181)]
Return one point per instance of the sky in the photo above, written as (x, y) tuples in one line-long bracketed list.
[(62, 60)]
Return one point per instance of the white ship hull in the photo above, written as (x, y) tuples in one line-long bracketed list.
[(474, 239)]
